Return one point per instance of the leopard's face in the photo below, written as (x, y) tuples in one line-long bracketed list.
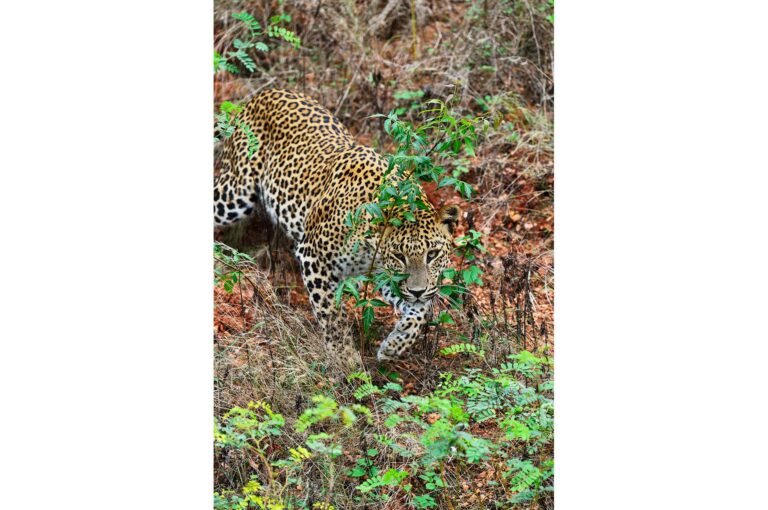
[(422, 250)]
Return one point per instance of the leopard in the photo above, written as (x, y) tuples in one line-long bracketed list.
[(308, 173)]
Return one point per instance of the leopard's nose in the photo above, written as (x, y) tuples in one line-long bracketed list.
[(416, 292)]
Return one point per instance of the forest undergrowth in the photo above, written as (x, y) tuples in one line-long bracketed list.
[(466, 419)]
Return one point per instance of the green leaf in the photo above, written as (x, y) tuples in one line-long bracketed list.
[(393, 420), (228, 107), (337, 295), (393, 387), (244, 17), (424, 501), (462, 348), (450, 290), (240, 44), (408, 94), (516, 430), (394, 476), (367, 318), (244, 59), (280, 18), (472, 276), (351, 287), (445, 318)]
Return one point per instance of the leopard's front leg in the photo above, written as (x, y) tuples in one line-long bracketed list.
[(408, 328)]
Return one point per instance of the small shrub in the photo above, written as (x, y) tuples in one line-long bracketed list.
[(255, 39)]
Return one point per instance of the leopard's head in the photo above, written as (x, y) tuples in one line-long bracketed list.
[(421, 249)]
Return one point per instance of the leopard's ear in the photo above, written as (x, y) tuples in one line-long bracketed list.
[(449, 216)]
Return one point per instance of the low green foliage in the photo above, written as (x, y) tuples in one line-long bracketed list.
[(240, 428), (227, 272), (250, 496), (420, 448), (517, 396), (411, 96), (255, 39), (392, 478), (227, 122), (462, 348), (327, 409)]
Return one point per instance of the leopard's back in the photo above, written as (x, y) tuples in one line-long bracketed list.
[(291, 168)]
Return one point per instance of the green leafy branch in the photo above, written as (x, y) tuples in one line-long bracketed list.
[(254, 39), (231, 274), (227, 122)]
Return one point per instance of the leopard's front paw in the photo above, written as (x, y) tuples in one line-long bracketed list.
[(395, 345), (383, 355)]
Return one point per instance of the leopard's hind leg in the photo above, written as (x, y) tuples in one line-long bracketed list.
[(236, 189)]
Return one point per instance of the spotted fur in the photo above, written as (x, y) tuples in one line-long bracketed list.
[(309, 173)]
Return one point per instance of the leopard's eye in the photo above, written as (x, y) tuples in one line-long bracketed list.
[(432, 255), (400, 257)]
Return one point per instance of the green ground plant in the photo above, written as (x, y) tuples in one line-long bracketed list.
[(226, 271), (419, 447), (255, 38)]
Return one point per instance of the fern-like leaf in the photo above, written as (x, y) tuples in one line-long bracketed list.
[(366, 390), (463, 348)]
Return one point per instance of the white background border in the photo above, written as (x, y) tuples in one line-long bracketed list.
[(660, 253)]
